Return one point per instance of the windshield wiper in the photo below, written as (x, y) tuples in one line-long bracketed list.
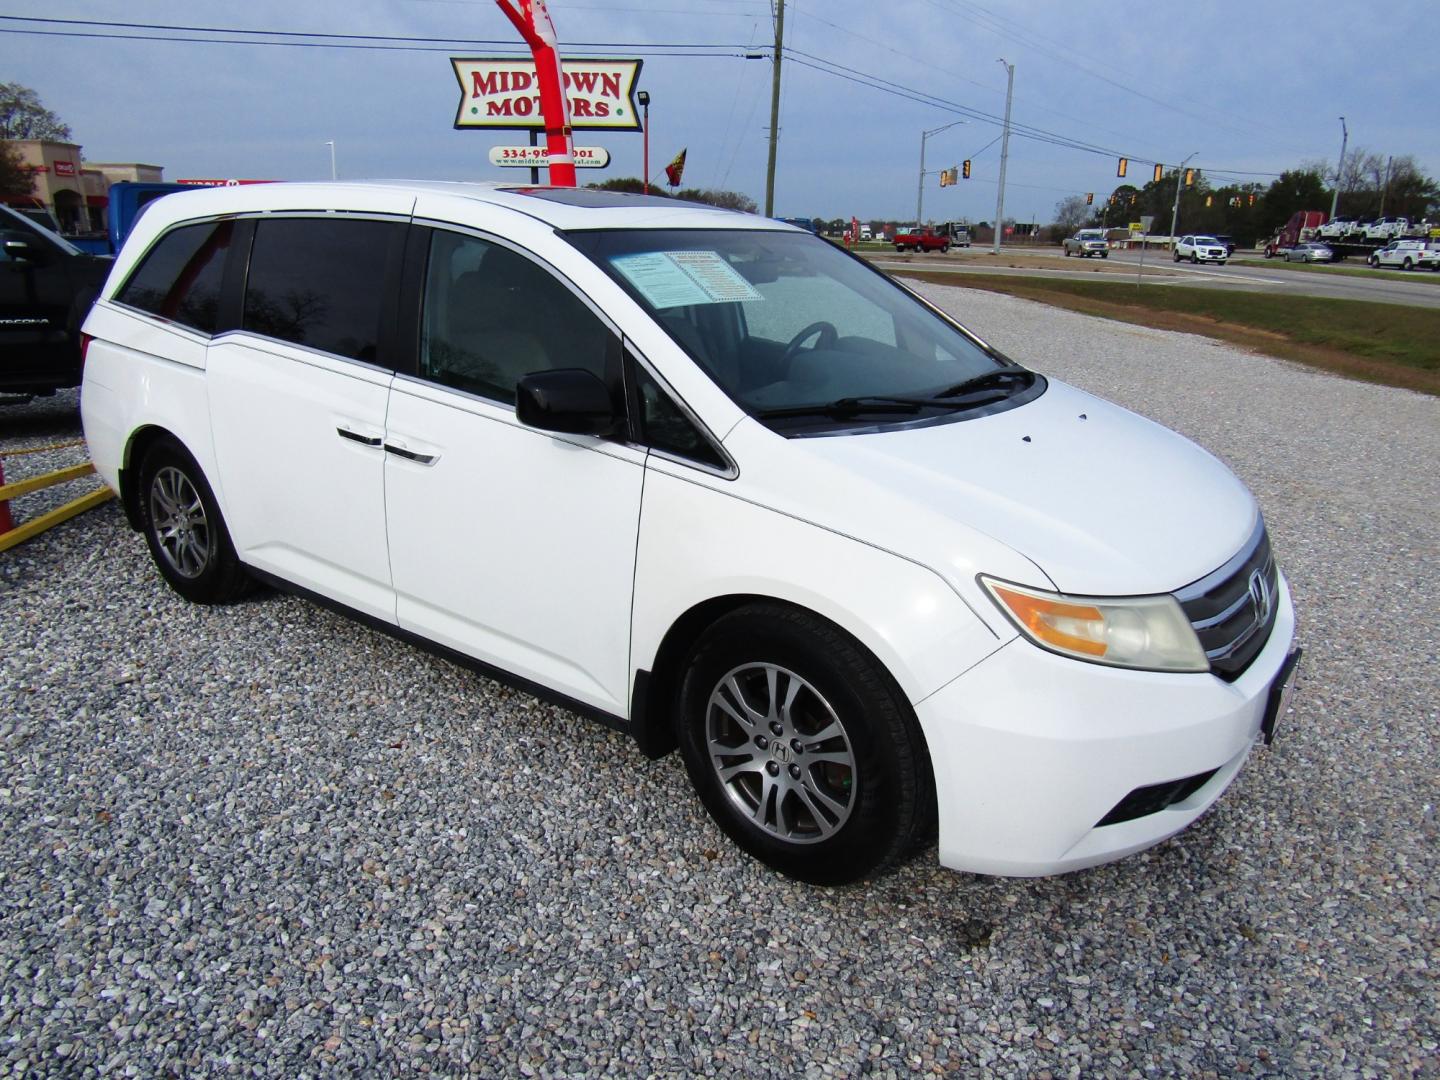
[(989, 378), (844, 408)]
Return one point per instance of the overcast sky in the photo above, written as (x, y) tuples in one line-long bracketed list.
[(1248, 86)]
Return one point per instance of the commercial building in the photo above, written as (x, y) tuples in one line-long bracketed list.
[(74, 190)]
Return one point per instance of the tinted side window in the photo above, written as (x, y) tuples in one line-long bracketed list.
[(320, 283), (181, 276), (492, 316), (666, 427)]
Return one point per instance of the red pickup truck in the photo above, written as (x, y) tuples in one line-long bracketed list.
[(926, 239)]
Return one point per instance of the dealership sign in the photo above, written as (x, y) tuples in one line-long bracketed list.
[(504, 93), (538, 157)]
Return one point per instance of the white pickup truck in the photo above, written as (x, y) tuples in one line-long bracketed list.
[(1387, 228)]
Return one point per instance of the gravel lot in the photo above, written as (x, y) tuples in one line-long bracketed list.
[(265, 841)]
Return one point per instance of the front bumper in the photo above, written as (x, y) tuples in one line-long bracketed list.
[(1031, 750)]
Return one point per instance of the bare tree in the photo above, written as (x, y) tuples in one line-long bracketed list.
[(1070, 213)]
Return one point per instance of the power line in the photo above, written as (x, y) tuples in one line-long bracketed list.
[(1024, 36), (311, 36)]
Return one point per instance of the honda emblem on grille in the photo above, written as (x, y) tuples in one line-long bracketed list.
[(1260, 595)]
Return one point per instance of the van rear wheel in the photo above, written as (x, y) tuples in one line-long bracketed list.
[(183, 527), (802, 747)]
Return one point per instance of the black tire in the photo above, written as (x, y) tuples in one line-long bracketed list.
[(1067, 253), (1409, 264), (1177, 256), (1194, 259), (878, 806), (1104, 254), (195, 555)]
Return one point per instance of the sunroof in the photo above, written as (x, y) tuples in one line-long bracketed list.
[(592, 197)]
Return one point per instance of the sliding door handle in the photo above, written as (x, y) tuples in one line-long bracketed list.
[(355, 436), (411, 455)]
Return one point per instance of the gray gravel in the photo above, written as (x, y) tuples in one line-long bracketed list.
[(44, 429), (265, 841)]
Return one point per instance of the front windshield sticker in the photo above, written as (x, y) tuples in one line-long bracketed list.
[(670, 279)]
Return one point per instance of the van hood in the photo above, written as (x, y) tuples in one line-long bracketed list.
[(1102, 501)]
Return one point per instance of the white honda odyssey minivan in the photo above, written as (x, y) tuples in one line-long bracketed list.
[(713, 481)]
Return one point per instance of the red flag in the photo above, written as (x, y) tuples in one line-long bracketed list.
[(676, 168)]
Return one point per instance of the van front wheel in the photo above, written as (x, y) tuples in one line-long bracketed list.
[(801, 746)]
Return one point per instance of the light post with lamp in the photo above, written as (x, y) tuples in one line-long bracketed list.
[(333, 174), (644, 98), (920, 194)]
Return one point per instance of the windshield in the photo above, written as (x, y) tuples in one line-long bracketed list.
[(1206, 240), (1091, 234), (782, 322)]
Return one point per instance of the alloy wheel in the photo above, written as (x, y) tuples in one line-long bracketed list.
[(177, 515), (780, 753)]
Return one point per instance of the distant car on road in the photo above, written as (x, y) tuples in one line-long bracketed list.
[(1087, 242), (1406, 254), (1309, 252), (1201, 249), (1228, 241)]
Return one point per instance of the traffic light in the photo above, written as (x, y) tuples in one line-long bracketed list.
[(1189, 177), (1089, 197), (1209, 200), (1124, 164), (944, 177), (965, 170), (1252, 198), (1159, 171)]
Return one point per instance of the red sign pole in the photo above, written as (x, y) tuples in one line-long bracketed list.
[(532, 19)]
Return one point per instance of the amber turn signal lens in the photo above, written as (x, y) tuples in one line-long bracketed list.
[(1076, 628)]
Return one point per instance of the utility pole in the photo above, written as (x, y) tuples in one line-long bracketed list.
[(1385, 191), (1339, 169), (1175, 213), (774, 106), (1004, 155), (333, 174)]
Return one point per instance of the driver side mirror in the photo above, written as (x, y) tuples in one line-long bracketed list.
[(571, 401)]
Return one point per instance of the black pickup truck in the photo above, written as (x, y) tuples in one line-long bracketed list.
[(46, 288)]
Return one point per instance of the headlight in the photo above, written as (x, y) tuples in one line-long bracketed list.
[(1146, 632)]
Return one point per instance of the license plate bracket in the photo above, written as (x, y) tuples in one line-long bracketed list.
[(1282, 692)]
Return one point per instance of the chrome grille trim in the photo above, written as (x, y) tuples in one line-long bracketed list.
[(1232, 609)]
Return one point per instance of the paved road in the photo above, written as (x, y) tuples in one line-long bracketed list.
[(1247, 273)]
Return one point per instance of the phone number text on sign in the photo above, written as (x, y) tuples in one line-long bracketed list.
[(536, 157)]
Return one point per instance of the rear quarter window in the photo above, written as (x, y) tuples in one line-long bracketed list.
[(181, 276)]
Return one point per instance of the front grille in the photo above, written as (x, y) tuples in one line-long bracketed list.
[(1233, 609), (1154, 798)]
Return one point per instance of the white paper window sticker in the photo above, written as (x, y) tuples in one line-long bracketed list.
[(670, 279)]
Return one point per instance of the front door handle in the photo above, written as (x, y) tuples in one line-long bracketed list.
[(355, 436), (411, 455)]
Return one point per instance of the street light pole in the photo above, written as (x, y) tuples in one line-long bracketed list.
[(1004, 155), (1175, 213), (920, 194), (644, 98), (331, 143), (1339, 169)]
